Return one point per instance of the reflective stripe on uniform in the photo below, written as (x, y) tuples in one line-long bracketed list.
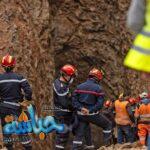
[(59, 146), (12, 80), (89, 147), (60, 94), (90, 114), (145, 33), (89, 92), (145, 115), (141, 50), (26, 142), (65, 110), (142, 138), (77, 142), (106, 131), (11, 103)]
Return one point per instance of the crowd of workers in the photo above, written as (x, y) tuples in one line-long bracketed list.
[(87, 105)]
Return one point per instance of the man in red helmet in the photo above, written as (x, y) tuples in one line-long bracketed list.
[(87, 100), (63, 103), (133, 105), (11, 86), (108, 111)]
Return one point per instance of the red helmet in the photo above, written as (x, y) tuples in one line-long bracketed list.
[(107, 103), (132, 100), (69, 70), (8, 61), (96, 73)]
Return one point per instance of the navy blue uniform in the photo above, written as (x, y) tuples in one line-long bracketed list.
[(89, 95), (63, 111), (11, 86)]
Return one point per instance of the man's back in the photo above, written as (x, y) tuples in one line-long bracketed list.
[(11, 85)]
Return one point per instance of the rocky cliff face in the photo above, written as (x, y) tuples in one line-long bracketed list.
[(25, 33), (45, 34), (93, 33)]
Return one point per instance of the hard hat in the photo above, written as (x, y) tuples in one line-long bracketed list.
[(96, 73), (107, 103), (143, 95), (8, 61), (121, 95), (132, 100), (69, 70)]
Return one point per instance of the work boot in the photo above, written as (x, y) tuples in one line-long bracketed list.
[(107, 139)]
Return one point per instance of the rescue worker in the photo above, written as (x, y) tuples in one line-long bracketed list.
[(143, 115), (63, 103), (144, 95), (11, 86), (88, 99), (124, 120), (138, 20), (108, 111), (133, 104), (138, 57)]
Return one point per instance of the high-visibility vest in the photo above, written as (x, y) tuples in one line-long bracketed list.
[(122, 116), (143, 112), (139, 55)]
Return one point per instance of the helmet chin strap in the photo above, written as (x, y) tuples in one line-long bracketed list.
[(8, 69), (66, 79)]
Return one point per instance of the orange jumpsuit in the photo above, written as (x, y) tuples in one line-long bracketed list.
[(143, 112)]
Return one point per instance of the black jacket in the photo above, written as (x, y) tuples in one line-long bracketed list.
[(11, 86)]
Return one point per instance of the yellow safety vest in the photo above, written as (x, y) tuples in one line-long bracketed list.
[(139, 55)]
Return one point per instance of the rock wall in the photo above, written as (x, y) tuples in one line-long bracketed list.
[(45, 34), (25, 32)]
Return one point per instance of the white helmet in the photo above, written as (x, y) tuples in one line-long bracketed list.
[(143, 95)]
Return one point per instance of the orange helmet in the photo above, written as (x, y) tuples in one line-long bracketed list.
[(8, 61), (132, 100), (108, 103), (96, 73), (69, 70)]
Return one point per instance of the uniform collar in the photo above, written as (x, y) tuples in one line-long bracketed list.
[(8, 72), (63, 82), (91, 80)]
